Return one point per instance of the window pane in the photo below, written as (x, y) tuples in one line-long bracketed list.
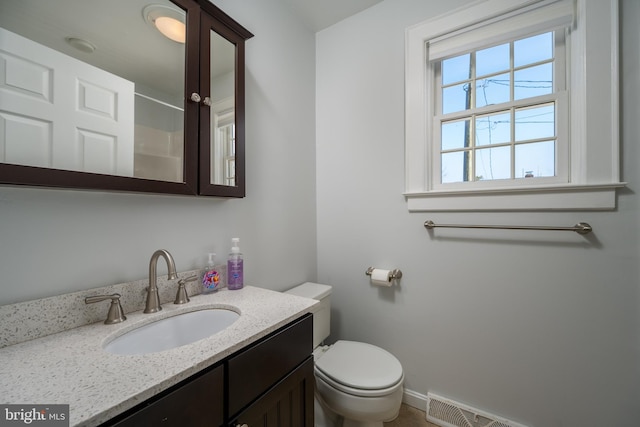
[(535, 159), (456, 69), (455, 167), (455, 135), (493, 163), (533, 81), (455, 98), (494, 90), (535, 122), (493, 129), (533, 49), (492, 60)]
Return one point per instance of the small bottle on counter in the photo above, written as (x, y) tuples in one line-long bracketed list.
[(235, 274), (210, 276)]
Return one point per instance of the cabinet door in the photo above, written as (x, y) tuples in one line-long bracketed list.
[(199, 402), (256, 369), (288, 404), (221, 155)]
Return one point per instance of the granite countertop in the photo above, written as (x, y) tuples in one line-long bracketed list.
[(72, 368)]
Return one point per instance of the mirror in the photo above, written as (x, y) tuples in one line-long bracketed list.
[(92, 95), (222, 157), (223, 135)]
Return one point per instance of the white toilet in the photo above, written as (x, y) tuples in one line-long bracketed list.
[(357, 384)]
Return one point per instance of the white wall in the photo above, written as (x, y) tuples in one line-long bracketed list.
[(540, 327), (58, 241)]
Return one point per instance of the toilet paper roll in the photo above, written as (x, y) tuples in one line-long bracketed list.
[(381, 277)]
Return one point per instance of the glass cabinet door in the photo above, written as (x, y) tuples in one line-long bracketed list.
[(222, 112)]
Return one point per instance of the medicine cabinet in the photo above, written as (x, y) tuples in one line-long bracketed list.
[(122, 95)]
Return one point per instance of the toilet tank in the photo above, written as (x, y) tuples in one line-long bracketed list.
[(321, 313)]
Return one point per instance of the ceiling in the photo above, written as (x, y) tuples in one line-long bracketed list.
[(320, 14)]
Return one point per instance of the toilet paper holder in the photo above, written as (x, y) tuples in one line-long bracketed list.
[(393, 274)]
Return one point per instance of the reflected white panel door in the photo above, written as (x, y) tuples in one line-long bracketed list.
[(62, 113)]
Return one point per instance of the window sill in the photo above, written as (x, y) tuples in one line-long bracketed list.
[(556, 197)]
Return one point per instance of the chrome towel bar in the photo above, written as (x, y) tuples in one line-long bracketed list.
[(580, 228)]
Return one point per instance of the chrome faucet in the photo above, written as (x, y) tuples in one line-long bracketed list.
[(153, 299)]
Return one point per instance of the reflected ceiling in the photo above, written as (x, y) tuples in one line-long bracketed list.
[(117, 28)]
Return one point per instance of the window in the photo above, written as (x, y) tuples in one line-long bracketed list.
[(496, 111), (223, 137), (501, 110)]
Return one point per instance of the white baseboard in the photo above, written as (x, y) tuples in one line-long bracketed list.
[(415, 399)]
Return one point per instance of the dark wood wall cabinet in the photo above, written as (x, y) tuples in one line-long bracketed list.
[(267, 384), (159, 116)]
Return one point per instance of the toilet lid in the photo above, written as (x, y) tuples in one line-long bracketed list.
[(360, 365)]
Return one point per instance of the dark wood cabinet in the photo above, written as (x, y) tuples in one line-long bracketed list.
[(197, 403), (171, 147), (257, 368), (287, 404), (269, 383)]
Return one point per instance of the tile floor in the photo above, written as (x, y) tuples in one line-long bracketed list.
[(410, 417)]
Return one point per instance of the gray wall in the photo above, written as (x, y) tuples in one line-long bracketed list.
[(58, 241), (539, 327)]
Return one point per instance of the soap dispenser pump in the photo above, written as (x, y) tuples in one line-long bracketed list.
[(235, 274)]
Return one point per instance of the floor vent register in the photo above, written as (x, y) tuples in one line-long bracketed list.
[(447, 413)]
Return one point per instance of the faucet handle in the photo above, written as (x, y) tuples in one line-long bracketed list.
[(181, 296), (116, 314)]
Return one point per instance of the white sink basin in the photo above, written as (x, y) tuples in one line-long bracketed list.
[(173, 332)]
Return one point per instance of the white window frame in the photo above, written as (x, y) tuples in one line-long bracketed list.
[(593, 123)]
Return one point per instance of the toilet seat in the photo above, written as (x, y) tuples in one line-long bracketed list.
[(359, 369)]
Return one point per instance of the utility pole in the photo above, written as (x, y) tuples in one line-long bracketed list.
[(467, 135)]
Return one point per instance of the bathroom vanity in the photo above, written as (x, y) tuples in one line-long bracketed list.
[(256, 372), (269, 383)]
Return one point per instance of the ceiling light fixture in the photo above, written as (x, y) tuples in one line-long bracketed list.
[(167, 20), (81, 44)]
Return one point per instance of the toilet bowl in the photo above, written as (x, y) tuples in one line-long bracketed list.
[(357, 384)]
